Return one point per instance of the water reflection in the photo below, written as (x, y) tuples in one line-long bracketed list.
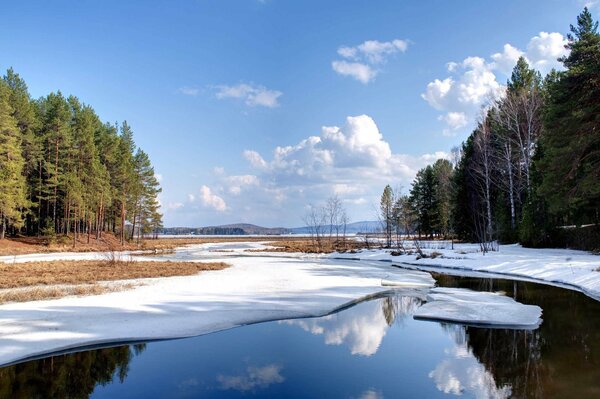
[(67, 376), (352, 353), (253, 378), (363, 327), (460, 371)]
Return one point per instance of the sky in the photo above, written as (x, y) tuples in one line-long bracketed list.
[(253, 110)]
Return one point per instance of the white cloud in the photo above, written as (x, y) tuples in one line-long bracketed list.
[(361, 72), (507, 59), (474, 81), (189, 91), (544, 50), (238, 183), (474, 84), (255, 159), (360, 60), (373, 51), (253, 95), (209, 199), (353, 160), (454, 121)]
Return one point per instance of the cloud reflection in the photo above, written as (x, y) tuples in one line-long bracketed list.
[(254, 377), (461, 372), (362, 327)]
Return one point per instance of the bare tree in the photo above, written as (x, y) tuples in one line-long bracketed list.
[(482, 173), (386, 214), (333, 209), (520, 114), (344, 220), (315, 219)]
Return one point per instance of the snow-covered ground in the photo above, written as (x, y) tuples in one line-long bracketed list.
[(561, 267), (256, 288), (473, 307), (259, 287)]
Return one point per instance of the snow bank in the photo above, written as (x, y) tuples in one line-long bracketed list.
[(256, 288), (561, 267), (465, 306)]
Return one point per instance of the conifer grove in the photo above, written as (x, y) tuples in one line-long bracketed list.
[(65, 172)]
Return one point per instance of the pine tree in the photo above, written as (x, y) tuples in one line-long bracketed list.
[(570, 167), (424, 202), (12, 182)]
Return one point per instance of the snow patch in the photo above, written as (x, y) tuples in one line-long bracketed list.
[(465, 306)]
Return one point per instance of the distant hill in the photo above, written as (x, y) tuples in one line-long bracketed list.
[(228, 229), (367, 226), (251, 229)]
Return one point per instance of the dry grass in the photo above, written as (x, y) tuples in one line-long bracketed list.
[(41, 293), (108, 242), (15, 275), (308, 246), (33, 281)]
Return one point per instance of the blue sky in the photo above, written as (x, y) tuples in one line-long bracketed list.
[(355, 94)]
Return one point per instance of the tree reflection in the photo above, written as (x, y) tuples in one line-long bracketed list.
[(67, 376), (560, 359)]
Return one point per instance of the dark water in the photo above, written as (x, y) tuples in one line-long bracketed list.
[(372, 350)]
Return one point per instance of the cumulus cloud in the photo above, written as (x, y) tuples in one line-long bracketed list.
[(209, 199), (353, 160), (255, 159), (360, 62), (253, 95), (454, 121), (507, 59), (238, 183), (474, 82), (361, 72), (544, 50)]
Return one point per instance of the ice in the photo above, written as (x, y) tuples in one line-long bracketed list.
[(257, 287), (459, 305)]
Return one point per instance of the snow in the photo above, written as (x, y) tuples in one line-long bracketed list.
[(465, 306), (264, 286), (565, 268), (255, 288)]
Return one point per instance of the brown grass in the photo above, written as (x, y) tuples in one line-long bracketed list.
[(15, 275), (308, 246), (108, 242), (33, 281), (41, 293)]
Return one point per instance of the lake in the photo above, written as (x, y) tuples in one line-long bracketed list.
[(374, 349)]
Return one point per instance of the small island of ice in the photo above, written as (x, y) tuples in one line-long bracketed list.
[(478, 308)]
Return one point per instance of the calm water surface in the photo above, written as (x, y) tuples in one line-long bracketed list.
[(372, 350)]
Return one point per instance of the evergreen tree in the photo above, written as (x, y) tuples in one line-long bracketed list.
[(424, 201), (570, 166), (12, 182)]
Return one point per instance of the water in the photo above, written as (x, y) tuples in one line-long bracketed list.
[(372, 350)]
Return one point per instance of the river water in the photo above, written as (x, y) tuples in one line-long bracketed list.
[(372, 350)]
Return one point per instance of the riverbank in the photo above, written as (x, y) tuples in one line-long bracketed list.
[(572, 269), (108, 242), (255, 288)]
